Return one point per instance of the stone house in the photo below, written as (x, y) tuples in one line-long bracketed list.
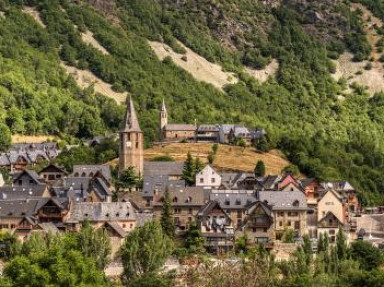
[(331, 214), (216, 227), (186, 203), (289, 210), (257, 225)]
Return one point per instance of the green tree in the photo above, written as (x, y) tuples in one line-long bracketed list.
[(366, 254), (145, 250), (211, 158), (198, 166), (262, 144), (9, 245), (189, 170), (127, 179), (341, 245), (215, 148), (193, 240), (163, 158), (5, 137), (166, 216), (259, 169), (307, 249), (95, 244), (242, 143), (151, 280)]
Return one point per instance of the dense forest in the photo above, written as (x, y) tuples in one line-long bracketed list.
[(300, 109)]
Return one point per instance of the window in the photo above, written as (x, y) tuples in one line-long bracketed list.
[(123, 225), (227, 202), (280, 214), (174, 199), (190, 211), (280, 223), (201, 180), (177, 210), (238, 202), (239, 222), (296, 203), (297, 225), (332, 232), (239, 214), (213, 180), (289, 223), (292, 214), (31, 181), (20, 182)]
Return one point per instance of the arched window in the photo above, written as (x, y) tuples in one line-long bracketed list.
[(91, 174), (83, 174), (296, 203), (174, 199), (76, 174)]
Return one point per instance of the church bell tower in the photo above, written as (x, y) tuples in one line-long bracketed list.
[(163, 119), (131, 142)]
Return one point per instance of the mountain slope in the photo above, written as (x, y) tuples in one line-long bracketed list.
[(300, 107)]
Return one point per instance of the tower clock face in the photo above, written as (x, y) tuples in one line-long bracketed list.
[(129, 144)]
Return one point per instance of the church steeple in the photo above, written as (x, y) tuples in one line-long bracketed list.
[(131, 124), (163, 119), (131, 142)]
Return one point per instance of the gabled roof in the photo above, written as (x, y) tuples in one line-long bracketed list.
[(131, 123), (180, 127), (270, 182), (32, 174), (53, 168), (186, 196), (208, 128), (251, 207), (90, 170), (21, 192), (19, 208), (116, 227), (154, 168), (338, 185), (102, 211), (4, 160), (294, 200), (233, 199), (330, 214), (208, 207)]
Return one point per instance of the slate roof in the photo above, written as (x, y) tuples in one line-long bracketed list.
[(54, 167), (88, 169), (49, 227), (306, 181), (115, 226), (208, 128), (20, 192), (207, 208), (159, 184), (4, 160), (32, 174), (143, 217), (338, 185), (240, 131), (226, 128), (180, 127), (19, 208), (233, 199), (187, 196), (284, 200), (102, 211), (230, 180), (131, 123), (270, 182), (154, 168)]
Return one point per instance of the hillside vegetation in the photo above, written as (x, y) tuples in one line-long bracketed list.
[(299, 107)]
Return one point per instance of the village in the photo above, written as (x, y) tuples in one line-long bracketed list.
[(226, 205)]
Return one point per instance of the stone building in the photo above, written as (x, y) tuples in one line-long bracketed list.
[(131, 151)]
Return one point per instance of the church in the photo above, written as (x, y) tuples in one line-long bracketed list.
[(131, 149)]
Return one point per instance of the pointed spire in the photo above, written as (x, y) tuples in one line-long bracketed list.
[(131, 124), (163, 108)]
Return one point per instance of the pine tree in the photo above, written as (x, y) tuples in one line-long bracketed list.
[(166, 220), (320, 243), (198, 166), (194, 241), (189, 170), (341, 245), (259, 168), (307, 248)]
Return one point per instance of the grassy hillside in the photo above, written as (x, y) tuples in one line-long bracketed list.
[(227, 158), (300, 107)]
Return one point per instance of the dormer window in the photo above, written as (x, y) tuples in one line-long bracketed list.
[(189, 199), (227, 202), (296, 203), (174, 199), (238, 202), (117, 214)]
